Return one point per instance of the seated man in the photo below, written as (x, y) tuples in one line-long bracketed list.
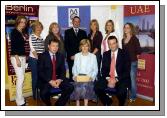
[(51, 69), (115, 73)]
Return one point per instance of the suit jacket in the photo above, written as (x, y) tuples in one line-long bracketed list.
[(72, 41), (122, 67), (45, 68)]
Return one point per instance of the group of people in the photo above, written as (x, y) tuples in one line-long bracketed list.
[(91, 56)]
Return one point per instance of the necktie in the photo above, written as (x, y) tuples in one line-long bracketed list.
[(54, 68), (112, 67), (76, 31)]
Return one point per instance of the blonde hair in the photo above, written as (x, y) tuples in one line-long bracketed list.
[(51, 27), (35, 24), (96, 22), (113, 27), (84, 42)]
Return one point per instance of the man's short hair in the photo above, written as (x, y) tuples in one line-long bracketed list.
[(53, 40), (76, 17), (112, 38)]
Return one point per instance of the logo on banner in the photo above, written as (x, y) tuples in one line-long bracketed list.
[(72, 12)]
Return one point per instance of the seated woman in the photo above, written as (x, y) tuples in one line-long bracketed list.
[(85, 65)]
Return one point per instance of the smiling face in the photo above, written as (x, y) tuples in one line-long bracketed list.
[(93, 26), (109, 27), (55, 29), (38, 29), (53, 47), (22, 24), (76, 22), (85, 48), (113, 44), (127, 29)]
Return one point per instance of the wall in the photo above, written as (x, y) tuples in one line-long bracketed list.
[(48, 14)]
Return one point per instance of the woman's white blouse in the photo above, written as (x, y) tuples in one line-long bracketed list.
[(85, 65), (106, 42)]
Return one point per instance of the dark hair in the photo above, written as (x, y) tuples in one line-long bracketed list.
[(132, 27), (113, 37), (76, 17), (53, 40)]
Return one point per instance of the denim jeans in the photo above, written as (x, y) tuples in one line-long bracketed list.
[(133, 74), (34, 74)]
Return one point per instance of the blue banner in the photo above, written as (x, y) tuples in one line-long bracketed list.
[(66, 13)]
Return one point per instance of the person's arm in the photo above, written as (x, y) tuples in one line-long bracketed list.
[(74, 68), (42, 71), (47, 42), (126, 67), (62, 68), (14, 42), (104, 67), (66, 43), (94, 72), (98, 42), (32, 48), (84, 35), (137, 45)]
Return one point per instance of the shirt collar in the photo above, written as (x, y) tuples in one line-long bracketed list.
[(51, 54), (115, 52), (40, 38), (75, 28)]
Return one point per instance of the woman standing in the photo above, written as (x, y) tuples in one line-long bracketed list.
[(95, 38), (54, 32), (110, 31), (18, 56), (131, 44), (36, 43), (85, 63)]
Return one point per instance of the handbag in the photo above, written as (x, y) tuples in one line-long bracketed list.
[(82, 78)]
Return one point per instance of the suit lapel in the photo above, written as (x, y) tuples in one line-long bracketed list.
[(118, 58), (109, 57), (57, 60), (72, 30)]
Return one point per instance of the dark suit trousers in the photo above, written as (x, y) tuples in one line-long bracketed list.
[(66, 88), (70, 65), (100, 87)]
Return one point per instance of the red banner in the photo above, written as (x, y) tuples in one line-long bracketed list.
[(25, 10), (145, 75), (136, 10)]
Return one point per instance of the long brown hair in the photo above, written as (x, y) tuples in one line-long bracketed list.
[(51, 26), (18, 19), (133, 30)]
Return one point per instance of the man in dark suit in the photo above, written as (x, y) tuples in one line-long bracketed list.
[(73, 36), (51, 70), (115, 73)]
